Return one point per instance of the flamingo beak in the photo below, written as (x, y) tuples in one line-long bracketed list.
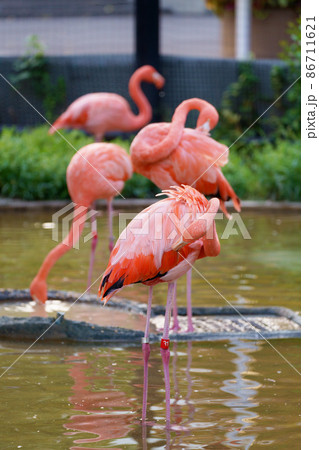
[(206, 126), (159, 81), (178, 244)]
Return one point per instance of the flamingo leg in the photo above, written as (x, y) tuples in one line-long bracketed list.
[(165, 351), (110, 215), (146, 352), (93, 247), (176, 326), (189, 382), (190, 328), (177, 408), (98, 137)]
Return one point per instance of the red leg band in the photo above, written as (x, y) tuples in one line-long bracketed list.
[(164, 344)]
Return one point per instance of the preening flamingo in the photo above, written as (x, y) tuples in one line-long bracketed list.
[(170, 154), (96, 171), (102, 112), (156, 247)]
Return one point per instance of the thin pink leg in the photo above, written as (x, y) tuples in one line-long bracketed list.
[(146, 352), (166, 353), (189, 382), (176, 326), (99, 137), (190, 328), (165, 357), (93, 247), (110, 215), (177, 408)]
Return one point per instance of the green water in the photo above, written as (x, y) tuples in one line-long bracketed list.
[(232, 394)]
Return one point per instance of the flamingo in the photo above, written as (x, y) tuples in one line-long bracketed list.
[(170, 154), (162, 251), (96, 171), (102, 112)]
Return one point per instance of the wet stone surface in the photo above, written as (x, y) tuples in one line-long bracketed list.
[(21, 318)]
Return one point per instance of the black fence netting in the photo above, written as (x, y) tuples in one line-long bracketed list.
[(91, 46)]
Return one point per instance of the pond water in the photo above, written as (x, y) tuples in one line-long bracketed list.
[(226, 394)]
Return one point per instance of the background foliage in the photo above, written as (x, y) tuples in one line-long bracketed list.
[(33, 166), (31, 71), (264, 163)]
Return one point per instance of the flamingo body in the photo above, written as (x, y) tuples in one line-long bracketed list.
[(170, 154), (144, 251), (102, 112), (193, 156), (158, 246), (95, 171)]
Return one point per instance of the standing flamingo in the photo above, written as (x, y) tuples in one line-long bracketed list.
[(95, 171), (102, 112), (170, 154), (162, 251)]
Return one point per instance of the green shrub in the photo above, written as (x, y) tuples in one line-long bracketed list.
[(286, 119), (33, 165), (238, 109), (266, 170), (32, 70)]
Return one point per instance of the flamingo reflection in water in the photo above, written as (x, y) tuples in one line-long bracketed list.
[(108, 413), (244, 390), (96, 403)]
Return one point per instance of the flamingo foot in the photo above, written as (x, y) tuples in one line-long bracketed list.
[(190, 328), (175, 326)]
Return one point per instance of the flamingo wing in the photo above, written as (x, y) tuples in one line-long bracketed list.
[(143, 252), (96, 113)]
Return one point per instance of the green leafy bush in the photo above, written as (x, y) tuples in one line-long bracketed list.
[(266, 170), (288, 109), (238, 109), (33, 167), (32, 71), (33, 164)]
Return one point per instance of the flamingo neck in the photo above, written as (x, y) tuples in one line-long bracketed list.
[(144, 108), (149, 154), (68, 242), (211, 246)]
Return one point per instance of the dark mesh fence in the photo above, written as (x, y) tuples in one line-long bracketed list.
[(69, 27), (91, 45)]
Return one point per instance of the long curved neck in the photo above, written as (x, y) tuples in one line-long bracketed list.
[(148, 154), (144, 108), (67, 243)]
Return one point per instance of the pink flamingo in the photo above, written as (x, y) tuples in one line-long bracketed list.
[(163, 253), (96, 171), (87, 399), (102, 112), (170, 154)]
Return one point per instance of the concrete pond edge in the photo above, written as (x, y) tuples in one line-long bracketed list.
[(30, 328), (7, 204)]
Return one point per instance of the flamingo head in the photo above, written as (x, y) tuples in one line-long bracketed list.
[(38, 290), (208, 118), (202, 226), (151, 75)]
